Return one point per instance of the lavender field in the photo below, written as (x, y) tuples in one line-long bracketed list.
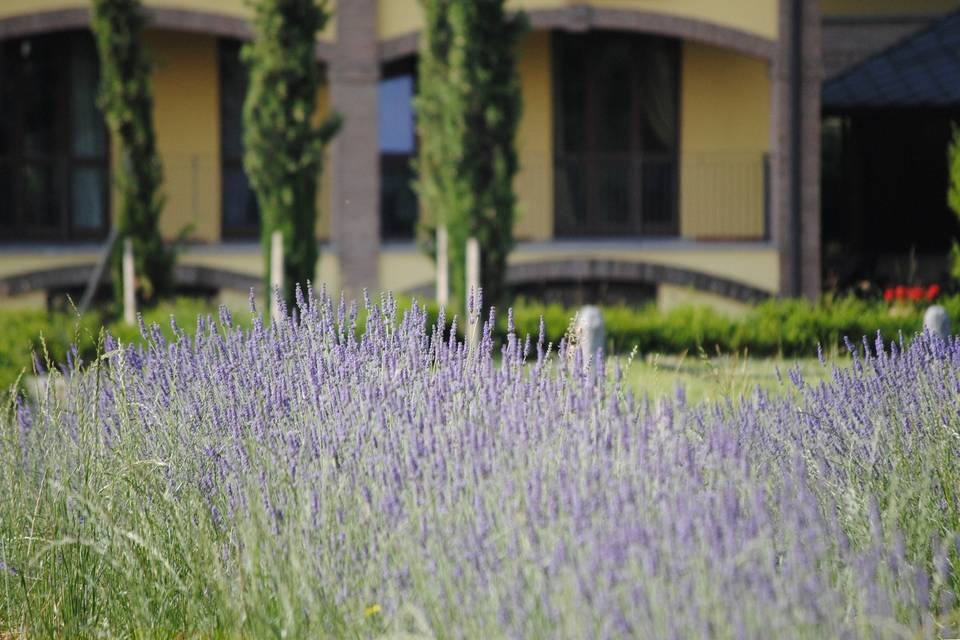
[(297, 481)]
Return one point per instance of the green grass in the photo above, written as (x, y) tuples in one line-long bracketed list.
[(709, 378), (25, 332), (50, 336)]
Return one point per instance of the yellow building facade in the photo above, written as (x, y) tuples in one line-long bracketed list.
[(685, 156)]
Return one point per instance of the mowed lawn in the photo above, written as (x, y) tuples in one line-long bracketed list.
[(709, 378)]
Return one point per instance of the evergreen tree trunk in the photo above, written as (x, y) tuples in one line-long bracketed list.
[(468, 109), (283, 148), (126, 98)]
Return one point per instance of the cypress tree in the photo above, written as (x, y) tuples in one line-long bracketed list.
[(126, 98), (468, 108), (283, 147), (953, 194)]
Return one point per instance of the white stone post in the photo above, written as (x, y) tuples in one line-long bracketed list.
[(443, 268), (129, 284), (937, 321), (590, 332), (276, 273), (473, 285)]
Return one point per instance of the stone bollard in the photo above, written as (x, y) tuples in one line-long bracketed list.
[(129, 283), (937, 321), (590, 332)]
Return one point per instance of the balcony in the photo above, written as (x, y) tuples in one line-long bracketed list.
[(697, 196)]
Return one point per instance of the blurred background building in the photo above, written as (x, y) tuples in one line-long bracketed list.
[(688, 150)]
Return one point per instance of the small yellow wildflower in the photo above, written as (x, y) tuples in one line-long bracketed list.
[(371, 610)]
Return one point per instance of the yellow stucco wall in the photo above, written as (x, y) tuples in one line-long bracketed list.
[(187, 121), (755, 265), (230, 8), (534, 182), (879, 7), (406, 268), (724, 134), (398, 17), (725, 107), (672, 296)]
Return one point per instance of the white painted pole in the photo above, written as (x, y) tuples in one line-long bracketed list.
[(443, 268), (276, 273), (473, 286), (129, 284)]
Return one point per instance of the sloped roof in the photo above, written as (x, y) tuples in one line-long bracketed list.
[(922, 70)]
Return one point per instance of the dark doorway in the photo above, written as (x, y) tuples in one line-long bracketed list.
[(240, 213), (54, 151), (616, 128), (885, 214), (399, 206), (574, 293)]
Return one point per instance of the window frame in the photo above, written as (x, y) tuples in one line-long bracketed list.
[(593, 220), (396, 161), (60, 159), (228, 161)]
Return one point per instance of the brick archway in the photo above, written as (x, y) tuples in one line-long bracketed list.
[(586, 17), (621, 271), (76, 276), (587, 270), (188, 20)]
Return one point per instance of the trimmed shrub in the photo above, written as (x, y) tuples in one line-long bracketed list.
[(468, 108), (126, 97), (283, 152), (791, 328)]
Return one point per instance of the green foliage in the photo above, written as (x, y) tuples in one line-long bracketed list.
[(790, 328), (126, 97), (953, 195), (776, 327), (283, 147), (468, 107), (51, 336)]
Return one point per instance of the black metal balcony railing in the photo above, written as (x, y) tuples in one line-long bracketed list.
[(726, 196), (707, 196), (53, 198), (608, 194), (399, 207)]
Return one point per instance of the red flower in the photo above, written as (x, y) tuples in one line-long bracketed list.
[(888, 295), (933, 291), (915, 293), (900, 292)]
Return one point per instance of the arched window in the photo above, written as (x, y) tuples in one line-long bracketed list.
[(616, 113), (398, 146), (240, 216), (54, 151)]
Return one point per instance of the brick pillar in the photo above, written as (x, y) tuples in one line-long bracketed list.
[(354, 73), (811, 83), (795, 158)]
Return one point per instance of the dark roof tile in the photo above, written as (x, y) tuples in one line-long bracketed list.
[(921, 70)]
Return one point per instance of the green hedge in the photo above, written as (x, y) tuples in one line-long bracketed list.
[(776, 327), (24, 333), (772, 328)]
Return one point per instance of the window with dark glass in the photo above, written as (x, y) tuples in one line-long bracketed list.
[(54, 151), (240, 215), (398, 202), (615, 105)]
